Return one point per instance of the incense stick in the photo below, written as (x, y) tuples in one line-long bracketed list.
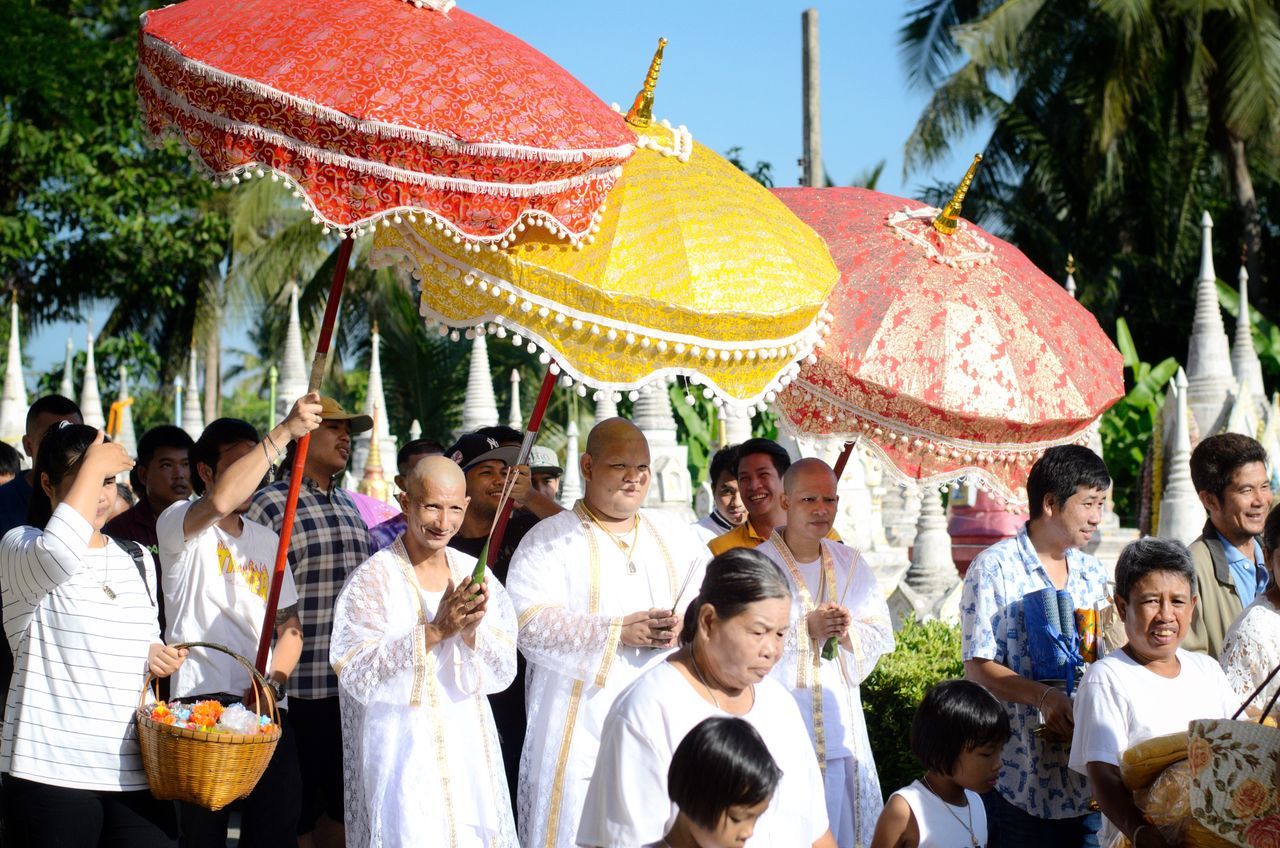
[(688, 575)]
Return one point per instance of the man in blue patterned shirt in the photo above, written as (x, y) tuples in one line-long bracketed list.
[(329, 540), (1038, 800)]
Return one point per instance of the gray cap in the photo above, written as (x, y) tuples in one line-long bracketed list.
[(544, 460)]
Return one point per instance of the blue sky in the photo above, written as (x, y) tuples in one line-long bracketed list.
[(731, 74)]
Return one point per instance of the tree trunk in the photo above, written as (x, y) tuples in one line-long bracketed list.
[(1237, 162), (212, 371)]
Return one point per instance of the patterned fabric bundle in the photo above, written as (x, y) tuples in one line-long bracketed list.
[(1053, 642)]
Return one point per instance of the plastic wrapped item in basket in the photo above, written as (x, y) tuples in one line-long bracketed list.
[(209, 767), (1234, 764)]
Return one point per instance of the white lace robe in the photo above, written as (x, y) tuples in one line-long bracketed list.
[(572, 587), (421, 758), (1252, 649), (829, 689)]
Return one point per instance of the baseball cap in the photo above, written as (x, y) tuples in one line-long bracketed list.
[(544, 460), (474, 448), (331, 410)]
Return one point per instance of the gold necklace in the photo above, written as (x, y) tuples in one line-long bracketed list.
[(973, 840), (628, 548)]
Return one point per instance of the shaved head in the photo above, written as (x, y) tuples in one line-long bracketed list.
[(811, 469), (438, 470), (615, 469)]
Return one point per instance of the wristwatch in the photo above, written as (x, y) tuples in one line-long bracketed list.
[(277, 689)]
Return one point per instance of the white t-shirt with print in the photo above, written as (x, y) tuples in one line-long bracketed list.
[(215, 590)]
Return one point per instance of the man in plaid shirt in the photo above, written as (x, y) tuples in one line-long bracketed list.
[(329, 540)]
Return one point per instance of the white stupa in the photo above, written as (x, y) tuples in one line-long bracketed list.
[(1210, 381), (415, 430), (671, 485), (67, 388), (13, 403), (90, 397), (192, 411), (1070, 284), (375, 398), (480, 407), (606, 406), (737, 424), (1182, 515), (571, 480), (1244, 357), (126, 435), (292, 382)]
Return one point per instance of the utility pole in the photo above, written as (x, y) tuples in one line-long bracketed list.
[(813, 174)]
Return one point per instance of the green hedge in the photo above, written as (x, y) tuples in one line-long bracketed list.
[(926, 654)]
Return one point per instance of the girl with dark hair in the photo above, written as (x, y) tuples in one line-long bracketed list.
[(958, 734), (80, 615), (732, 637), (721, 779)]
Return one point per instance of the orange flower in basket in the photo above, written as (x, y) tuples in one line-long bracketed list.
[(1251, 798), (1199, 753), (205, 714)]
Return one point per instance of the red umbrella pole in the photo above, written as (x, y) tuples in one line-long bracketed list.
[(300, 455), (843, 460), (530, 436)]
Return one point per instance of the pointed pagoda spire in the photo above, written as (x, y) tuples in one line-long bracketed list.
[(515, 417), (125, 433), (415, 430), (375, 399), (372, 482), (1244, 357), (480, 407), (13, 403), (1209, 378), (1182, 515), (1070, 284), (67, 388), (192, 413), (90, 397), (606, 406), (293, 368), (571, 482)]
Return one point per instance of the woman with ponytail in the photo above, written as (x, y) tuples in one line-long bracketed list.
[(732, 637), (80, 615)]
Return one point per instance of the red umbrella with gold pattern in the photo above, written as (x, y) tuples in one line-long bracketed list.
[(951, 355)]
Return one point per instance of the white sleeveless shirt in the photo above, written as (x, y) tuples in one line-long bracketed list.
[(943, 825)]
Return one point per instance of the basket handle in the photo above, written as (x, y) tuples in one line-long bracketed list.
[(1263, 685), (260, 686)]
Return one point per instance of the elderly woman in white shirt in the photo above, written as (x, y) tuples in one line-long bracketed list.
[(1252, 646), (1150, 687), (80, 615)]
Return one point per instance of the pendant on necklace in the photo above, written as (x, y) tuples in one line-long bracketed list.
[(631, 567), (107, 591)]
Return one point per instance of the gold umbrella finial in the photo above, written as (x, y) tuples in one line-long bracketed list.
[(641, 112), (949, 218), (1071, 264)]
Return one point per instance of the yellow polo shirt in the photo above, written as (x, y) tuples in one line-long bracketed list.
[(745, 536)]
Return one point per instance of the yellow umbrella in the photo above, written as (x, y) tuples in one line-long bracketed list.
[(695, 269)]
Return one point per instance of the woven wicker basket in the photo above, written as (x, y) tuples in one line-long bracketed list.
[(208, 769)]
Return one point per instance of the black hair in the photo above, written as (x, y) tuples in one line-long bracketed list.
[(735, 579), (417, 447), (164, 436), (125, 492), (1271, 531), (1140, 558), (60, 455), (52, 405), (219, 434), (956, 716), (1216, 459), (719, 764), (1060, 472), (10, 460), (501, 434), (725, 461), (781, 459)]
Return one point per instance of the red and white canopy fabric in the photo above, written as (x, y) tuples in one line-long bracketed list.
[(949, 355), (375, 109)]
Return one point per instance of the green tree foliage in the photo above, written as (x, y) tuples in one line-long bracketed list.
[(926, 654), (1113, 125), (86, 208)]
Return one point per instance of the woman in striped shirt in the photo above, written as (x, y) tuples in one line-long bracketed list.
[(80, 615)]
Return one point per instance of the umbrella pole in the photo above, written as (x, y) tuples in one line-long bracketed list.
[(530, 436), (300, 455), (843, 460)]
